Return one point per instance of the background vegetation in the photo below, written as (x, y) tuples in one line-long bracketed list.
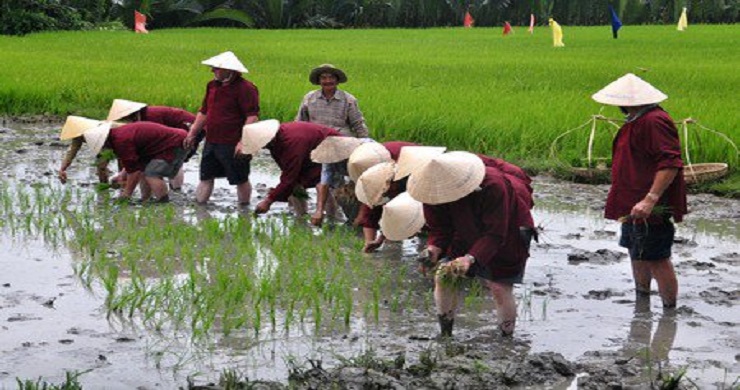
[(24, 16)]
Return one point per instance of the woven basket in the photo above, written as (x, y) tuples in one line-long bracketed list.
[(591, 175), (701, 173)]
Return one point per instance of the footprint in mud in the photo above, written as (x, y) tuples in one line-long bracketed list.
[(601, 256), (717, 296), (727, 258), (602, 294)]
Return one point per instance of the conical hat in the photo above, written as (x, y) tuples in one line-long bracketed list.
[(629, 91), (226, 60), (122, 108), (402, 217), (446, 178), (95, 137), (364, 157), (75, 126), (256, 135), (412, 157), (334, 149), (374, 182)]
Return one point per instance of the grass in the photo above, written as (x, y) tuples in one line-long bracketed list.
[(468, 89)]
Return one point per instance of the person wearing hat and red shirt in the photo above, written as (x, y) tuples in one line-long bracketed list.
[(474, 219), (230, 103), (290, 145), (648, 191)]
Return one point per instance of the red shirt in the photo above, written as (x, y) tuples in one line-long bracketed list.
[(483, 224), (369, 217), (135, 144), (168, 116), (291, 149), (520, 181), (640, 149), (227, 107)]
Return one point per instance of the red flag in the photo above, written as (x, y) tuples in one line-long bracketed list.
[(140, 22), (468, 21), (507, 28), (531, 23)]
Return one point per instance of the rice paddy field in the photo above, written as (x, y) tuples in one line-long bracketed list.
[(132, 296)]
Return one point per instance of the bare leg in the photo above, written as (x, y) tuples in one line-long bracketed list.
[(176, 182), (505, 306), (244, 193), (299, 205), (322, 192), (372, 241), (446, 299), (145, 189), (204, 191), (642, 275), (157, 186), (665, 275), (332, 207)]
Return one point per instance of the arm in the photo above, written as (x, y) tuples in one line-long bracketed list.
[(302, 115), (72, 151), (195, 129), (132, 179), (356, 120), (663, 179)]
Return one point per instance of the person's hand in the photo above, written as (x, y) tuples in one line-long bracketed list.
[(642, 209), (430, 259), (62, 175), (188, 142), (317, 219), (372, 246), (262, 207), (460, 266), (238, 150)]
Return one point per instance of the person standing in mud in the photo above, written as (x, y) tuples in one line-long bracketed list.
[(648, 192), (330, 106), (475, 218), (230, 103)]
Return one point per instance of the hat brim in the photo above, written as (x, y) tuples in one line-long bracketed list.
[(447, 178), (402, 217), (317, 72), (334, 149), (256, 136)]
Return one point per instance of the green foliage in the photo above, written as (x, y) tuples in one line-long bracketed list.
[(20, 17), (70, 383)]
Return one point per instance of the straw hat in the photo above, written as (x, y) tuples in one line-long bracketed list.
[(326, 68), (374, 182), (629, 91), (226, 60), (412, 157), (446, 178), (366, 156), (122, 108), (402, 217), (334, 149), (256, 135), (95, 137), (74, 126)]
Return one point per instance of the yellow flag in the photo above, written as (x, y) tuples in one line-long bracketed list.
[(557, 33), (683, 21)]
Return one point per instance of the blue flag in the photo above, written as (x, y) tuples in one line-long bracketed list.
[(616, 23)]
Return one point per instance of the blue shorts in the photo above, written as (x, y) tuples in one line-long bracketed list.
[(648, 242), (333, 174), (218, 161)]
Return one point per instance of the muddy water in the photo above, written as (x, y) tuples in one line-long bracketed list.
[(577, 300)]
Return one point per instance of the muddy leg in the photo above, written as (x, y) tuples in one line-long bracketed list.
[(642, 275), (446, 299), (157, 186), (665, 276), (299, 206), (204, 191), (244, 193), (322, 192), (176, 182), (505, 306)]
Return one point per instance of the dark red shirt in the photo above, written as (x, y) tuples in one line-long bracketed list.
[(227, 107), (640, 149), (168, 116), (483, 224), (369, 217), (135, 144), (520, 181), (291, 149)]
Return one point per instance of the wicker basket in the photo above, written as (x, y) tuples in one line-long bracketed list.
[(701, 173), (590, 175)]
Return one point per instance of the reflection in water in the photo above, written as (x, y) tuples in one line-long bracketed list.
[(650, 348)]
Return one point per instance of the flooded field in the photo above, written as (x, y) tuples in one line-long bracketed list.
[(133, 296)]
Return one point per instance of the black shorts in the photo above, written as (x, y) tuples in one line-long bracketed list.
[(218, 161), (648, 242)]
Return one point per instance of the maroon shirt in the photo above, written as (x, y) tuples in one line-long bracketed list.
[(168, 116), (291, 149), (135, 144), (640, 149), (484, 224), (520, 181), (369, 217), (227, 107)]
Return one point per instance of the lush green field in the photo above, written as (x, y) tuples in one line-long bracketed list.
[(465, 88)]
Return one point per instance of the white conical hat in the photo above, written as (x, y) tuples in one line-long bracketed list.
[(226, 60), (95, 137), (402, 217), (629, 91), (122, 108), (366, 156), (256, 135), (374, 182), (75, 126), (334, 149), (412, 157), (446, 178)]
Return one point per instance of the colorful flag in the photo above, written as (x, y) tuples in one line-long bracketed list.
[(557, 33), (507, 28), (140, 22), (683, 21), (616, 23), (468, 21), (531, 23)]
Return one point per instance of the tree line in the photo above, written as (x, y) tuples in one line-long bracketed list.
[(19, 17)]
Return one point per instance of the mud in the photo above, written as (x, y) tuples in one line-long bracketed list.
[(580, 324)]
